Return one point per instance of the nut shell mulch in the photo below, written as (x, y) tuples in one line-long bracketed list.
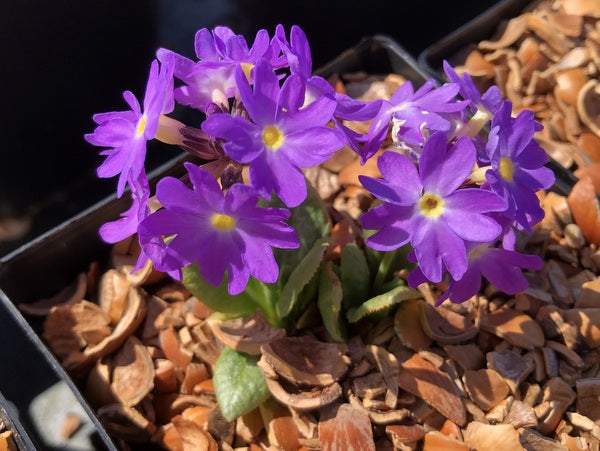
[(496, 372)]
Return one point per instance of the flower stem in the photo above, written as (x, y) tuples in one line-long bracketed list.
[(383, 270)]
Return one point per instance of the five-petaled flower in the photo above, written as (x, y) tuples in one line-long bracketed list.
[(283, 136), (127, 132), (426, 207), (220, 232), (517, 165)]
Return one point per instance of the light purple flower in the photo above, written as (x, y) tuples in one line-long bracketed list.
[(127, 132), (414, 110), (212, 78), (426, 207), (502, 267), (115, 231), (220, 232), (283, 135), (517, 165), (490, 101)]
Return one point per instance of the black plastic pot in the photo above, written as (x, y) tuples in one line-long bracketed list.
[(52, 261), (9, 417), (455, 47)]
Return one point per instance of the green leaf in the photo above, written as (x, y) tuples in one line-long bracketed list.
[(301, 276), (355, 276), (381, 302), (239, 384), (217, 298), (330, 302), (311, 222)]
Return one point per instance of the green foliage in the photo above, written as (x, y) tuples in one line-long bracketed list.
[(311, 222), (300, 277), (217, 298), (355, 275), (239, 384), (381, 302), (330, 303)]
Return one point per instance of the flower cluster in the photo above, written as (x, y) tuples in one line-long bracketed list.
[(449, 194)]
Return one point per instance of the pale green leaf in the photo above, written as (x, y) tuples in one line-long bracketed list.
[(217, 298), (239, 384)]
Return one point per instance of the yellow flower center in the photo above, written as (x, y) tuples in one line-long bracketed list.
[(222, 222), (507, 169), (431, 205), (141, 126), (247, 67), (272, 137)]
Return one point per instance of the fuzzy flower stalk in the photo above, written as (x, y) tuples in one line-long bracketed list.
[(451, 195)]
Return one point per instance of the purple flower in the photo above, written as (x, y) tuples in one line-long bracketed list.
[(127, 132), (220, 232), (413, 109), (298, 55), (283, 136), (501, 267), (517, 165), (212, 78), (127, 225), (490, 101), (426, 207)]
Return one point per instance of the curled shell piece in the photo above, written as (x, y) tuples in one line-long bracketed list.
[(246, 334), (304, 360), (588, 105), (133, 372)]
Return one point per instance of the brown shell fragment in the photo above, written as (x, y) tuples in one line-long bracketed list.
[(284, 433), (71, 294), (114, 288), (193, 437), (468, 356), (485, 388), (69, 328), (521, 415), (587, 322), (173, 349), (511, 365), (405, 434), (97, 385), (424, 380), (132, 318), (344, 427), (408, 326), (445, 326), (490, 437), (588, 398), (435, 441), (582, 7), (584, 206), (388, 365), (514, 30), (246, 334), (588, 105), (133, 372), (304, 360), (294, 396), (516, 328)]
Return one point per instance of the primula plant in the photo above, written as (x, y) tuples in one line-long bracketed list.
[(450, 198)]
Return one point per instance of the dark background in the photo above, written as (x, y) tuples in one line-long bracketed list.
[(62, 61)]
